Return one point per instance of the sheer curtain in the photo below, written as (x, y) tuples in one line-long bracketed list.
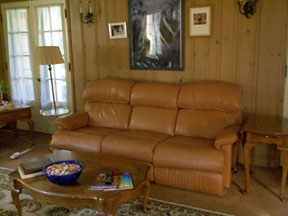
[(21, 74), (50, 33), (49, 27)]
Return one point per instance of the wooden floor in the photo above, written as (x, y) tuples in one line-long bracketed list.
[(262, 199)]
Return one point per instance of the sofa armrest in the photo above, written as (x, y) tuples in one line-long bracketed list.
[(227, 137), (72, 122)]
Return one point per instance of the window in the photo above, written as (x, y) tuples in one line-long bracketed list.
[(30, 24), (18, 35)]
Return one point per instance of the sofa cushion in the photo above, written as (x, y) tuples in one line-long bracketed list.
[(189, 153), (154, 107), (111, 115), (210, 95), (153, 119), (138, 145), (155, 94), (206, 108), (204, 123), (113, 90), (86, 139)]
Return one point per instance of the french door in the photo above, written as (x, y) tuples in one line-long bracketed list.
[(27, 25)]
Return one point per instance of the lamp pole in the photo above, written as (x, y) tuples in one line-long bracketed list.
[(52, 86)]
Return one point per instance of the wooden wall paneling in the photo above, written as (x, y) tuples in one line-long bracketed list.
[(201, 56), (112, 54), (103, 60), (170, 76), (90, 39), (77, 57), (215, 43), (284, 62), (228, 41), (188, 73), (2, 51), (271, 80), (122, 45), (245, 63), (201, 51), (3, 67), (144, 75), (119, 48)]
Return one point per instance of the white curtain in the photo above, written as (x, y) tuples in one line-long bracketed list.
[(49, 29), (21, 74), (50, 33)]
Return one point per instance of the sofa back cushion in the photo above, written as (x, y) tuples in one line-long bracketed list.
[(206, 108), (107, 102), (154, 107)]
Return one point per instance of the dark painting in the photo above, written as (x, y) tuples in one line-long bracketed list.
[(156, 34)]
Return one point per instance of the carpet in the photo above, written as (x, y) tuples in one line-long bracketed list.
[(32, 207)]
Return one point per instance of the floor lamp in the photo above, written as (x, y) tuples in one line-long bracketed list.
[(50, 55)]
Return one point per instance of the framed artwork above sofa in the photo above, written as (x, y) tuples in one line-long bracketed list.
[(156, 30)]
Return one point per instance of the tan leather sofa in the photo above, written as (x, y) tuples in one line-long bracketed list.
[(186, 132)]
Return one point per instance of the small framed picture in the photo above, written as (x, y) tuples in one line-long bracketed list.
[(200, 21), (117, 30)]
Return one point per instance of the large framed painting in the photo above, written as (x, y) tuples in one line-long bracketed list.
[(156, 34)]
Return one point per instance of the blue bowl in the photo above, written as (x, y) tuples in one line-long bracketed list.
[(65, 179)]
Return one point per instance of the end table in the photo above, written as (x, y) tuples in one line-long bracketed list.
[(268, 130), (22, 113)]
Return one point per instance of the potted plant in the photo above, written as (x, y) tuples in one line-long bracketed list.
[(3, 89)]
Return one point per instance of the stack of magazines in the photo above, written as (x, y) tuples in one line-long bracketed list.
[(120, 181)]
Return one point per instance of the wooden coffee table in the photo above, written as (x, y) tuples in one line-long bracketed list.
[(78, 194)]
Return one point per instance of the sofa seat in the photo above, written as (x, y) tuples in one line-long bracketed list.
[(86, 139), (189, 153), (133, 144)]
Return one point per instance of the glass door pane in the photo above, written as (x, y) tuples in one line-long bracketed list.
[(50, 33), (19, 52)]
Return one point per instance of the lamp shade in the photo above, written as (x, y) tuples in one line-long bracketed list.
[(48, 55)]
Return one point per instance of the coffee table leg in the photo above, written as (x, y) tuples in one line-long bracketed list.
[(146, 195), (15, 196)]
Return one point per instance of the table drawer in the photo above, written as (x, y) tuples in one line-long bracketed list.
[(279, 140), (15, 115)]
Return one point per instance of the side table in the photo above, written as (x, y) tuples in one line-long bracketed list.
[(22, 113), (267, 130)]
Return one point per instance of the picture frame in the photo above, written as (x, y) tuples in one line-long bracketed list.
[(117, 30), (200, 21), (156, 33)]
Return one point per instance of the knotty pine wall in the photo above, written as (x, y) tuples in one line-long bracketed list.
[(2, 53), (248, 52)]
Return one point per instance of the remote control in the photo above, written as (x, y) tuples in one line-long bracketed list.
[(109, 177)]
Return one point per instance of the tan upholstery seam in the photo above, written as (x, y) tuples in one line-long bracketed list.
[(132, 107), (152, 161), (106, 136), (178, 109)]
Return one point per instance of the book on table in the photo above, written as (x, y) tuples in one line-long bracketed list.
[(121, 181), (32, 169)]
